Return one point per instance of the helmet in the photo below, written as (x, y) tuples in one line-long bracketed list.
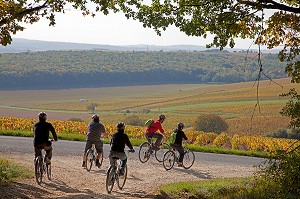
[(121, 125), (95, 118), (162, 117), (42, 115), (180, 125)]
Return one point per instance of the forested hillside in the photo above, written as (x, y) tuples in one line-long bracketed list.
[(71, 69)]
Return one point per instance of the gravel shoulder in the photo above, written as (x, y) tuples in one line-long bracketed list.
[(70, 180)]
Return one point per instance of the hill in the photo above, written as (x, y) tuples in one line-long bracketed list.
[(97, 68), (26, 45)]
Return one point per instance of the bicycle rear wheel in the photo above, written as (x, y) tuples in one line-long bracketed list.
[(38, 169), (144, 152), (48, 170), (188, 159), (169, 160), (121, 179), (89, 159), (110, 178), (159, 154)]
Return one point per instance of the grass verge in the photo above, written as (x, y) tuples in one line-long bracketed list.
[(10, 172), (229, 188)]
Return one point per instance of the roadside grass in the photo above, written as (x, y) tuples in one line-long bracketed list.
[(10, 172), (226, 188)]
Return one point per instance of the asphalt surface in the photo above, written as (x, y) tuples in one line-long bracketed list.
[(10, 144)]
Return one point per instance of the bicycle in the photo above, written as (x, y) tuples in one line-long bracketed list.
[(41, 168), (147, 148), (91, 156), (113, 175), (172, 156)]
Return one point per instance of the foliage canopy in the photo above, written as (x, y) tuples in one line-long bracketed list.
[(225, 19)]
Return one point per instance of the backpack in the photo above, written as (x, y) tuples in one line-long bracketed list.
[(172, 137), (149, 122)]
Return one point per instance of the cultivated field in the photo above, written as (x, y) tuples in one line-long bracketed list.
[(246, 112)]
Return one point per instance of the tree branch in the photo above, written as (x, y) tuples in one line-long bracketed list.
[(24, 12), (270, 4)]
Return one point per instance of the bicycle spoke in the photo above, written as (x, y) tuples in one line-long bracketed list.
[(144, 152), (122, 179), (188, 159), (159, 155), (110, 179), (169, 160)]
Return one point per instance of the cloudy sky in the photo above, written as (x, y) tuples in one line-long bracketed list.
[(113, 29)]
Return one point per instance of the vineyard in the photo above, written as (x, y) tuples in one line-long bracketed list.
[(236, 142)]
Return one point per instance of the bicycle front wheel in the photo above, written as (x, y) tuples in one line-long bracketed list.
[(121, 179), (169, 160), (38, 169), (48, 170), (159, 154), (110, 179), (188, 159), (89, 159), (144, 152)]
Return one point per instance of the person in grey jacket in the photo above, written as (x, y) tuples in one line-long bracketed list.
[(95, 130)]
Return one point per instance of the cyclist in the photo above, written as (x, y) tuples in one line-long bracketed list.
[(117, 144), (95, 129), (151, 131), (41, 137), (177, 145)]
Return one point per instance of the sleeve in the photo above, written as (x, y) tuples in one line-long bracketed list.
[(53, 132), (127, 142), (184, 136), (160, 128)]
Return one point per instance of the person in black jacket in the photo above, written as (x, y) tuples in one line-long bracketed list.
[(117, 144), (177, 145), (41, 141)]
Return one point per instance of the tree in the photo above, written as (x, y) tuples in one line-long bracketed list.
[(225, 19), (211, 123)]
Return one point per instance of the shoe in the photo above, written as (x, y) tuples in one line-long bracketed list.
[(98, 164), (179, 164), (156, 148), (47, 160), (121, 172), (83, 164)]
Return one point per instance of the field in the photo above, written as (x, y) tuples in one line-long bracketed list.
[(246, 112)]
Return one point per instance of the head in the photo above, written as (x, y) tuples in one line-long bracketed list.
[(180, 125), (161, 118), (121, 126), (95, 118), (42, 116)]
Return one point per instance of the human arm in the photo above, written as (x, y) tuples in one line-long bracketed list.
[(52, 130)]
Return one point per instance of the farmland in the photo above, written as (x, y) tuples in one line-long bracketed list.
[(246, 112)]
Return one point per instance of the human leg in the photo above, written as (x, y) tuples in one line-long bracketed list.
[(88, 145)]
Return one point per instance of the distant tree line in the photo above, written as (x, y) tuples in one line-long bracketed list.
[(74, 69)]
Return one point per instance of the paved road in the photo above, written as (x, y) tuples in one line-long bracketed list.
[(9, 144)]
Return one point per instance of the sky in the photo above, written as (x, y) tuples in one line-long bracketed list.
[(112, 29)]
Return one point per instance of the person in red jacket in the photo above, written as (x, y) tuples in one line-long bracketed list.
[(152, 131)]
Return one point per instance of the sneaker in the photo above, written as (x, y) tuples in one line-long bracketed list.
[(47, 160), (179, 164), (83, 164), (121, 172), (98, 164)]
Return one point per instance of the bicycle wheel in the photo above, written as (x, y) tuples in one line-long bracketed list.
[(144, 152), (159, 154), (110, 179), (121, 179), (89, 159), (188, 159), (169, 160), (48, 170), (38, 169)]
